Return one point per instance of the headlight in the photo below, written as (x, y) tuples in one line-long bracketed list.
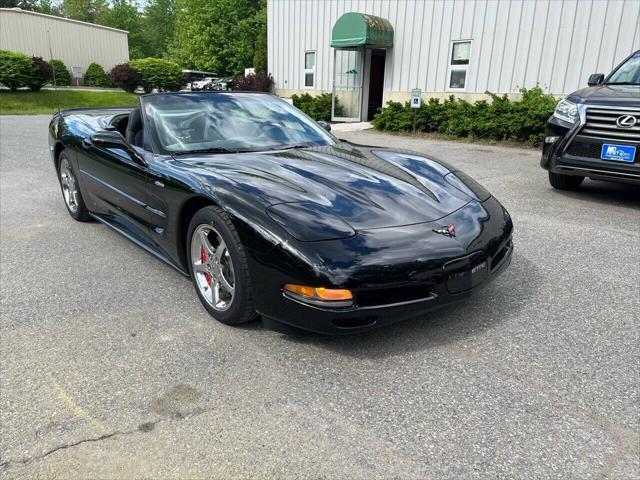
[(567, 111)]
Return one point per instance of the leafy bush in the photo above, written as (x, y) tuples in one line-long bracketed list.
[(260, 82), (96, 76), (125, 77), (61, 72), (42, 73), (500, 119), (158, 73), (16, 69), (317, 107)]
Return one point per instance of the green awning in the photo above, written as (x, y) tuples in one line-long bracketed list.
[(360, 30)]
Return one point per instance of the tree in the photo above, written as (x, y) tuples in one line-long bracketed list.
[(260, 51), (216, 35), (84, 10), (41, 6), (124, 14), (159, 25)]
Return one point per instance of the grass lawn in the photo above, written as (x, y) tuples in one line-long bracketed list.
[(49, 101)]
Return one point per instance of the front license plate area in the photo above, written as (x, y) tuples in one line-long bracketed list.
[(618, 153), (465, 273)]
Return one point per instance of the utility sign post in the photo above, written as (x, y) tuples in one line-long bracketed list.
[(416, 101)]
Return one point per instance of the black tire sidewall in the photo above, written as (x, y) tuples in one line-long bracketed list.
[(241, 309), (82, 213)]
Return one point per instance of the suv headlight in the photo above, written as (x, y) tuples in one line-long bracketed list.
[(567, 111)]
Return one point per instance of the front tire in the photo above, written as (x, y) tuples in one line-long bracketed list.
[(218, 267), (71, 190), (565, 182)]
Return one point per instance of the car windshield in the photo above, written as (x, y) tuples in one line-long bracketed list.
[(228, 122), (628, 73)]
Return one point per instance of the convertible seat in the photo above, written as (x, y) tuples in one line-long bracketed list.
[(135, 132)]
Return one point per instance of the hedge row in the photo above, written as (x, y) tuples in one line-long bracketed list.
[(499, 119), (18, 70), (317, 107)]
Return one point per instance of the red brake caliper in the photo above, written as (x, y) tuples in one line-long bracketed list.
[(203, 257)]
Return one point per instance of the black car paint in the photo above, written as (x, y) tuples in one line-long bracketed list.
[(382, 246), (556, 157)]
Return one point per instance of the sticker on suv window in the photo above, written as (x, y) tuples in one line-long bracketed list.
[(619, 153)]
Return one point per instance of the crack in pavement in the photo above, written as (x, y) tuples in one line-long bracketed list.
[(106, 436), (142, 428)]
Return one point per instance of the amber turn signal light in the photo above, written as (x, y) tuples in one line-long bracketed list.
[(319, 293)]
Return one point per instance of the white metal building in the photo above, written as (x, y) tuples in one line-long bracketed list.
[(464, 47), (77, 44)]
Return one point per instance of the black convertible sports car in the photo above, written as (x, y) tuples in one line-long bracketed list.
[(270, 214)]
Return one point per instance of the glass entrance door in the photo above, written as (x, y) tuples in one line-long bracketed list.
[(348, 66)]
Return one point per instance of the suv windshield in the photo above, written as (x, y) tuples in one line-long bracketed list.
[(628, 73), (219, 122)]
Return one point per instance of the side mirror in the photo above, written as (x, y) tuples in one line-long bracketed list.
[(108, 139), (114, 139), (595, 79), (325, 125)]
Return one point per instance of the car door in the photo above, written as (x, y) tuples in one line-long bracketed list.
[(117, 187)]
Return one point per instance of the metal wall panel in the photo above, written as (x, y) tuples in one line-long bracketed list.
[(515, 43), (77, 44)]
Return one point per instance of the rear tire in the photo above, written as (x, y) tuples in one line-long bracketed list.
[(218, 267), (71, 190), (565, 182)]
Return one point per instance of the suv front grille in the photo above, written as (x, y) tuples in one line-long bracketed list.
[(601, 123), (584, 149)]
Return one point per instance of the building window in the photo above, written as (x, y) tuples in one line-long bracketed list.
[(459, 64), (309, 69)]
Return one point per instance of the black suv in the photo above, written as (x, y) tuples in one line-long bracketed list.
[(595, 132)]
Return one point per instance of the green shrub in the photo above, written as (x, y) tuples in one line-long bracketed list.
[(41, 74), (61, 72), (16, 69), (317, 107), (158, 73), (501, 119), (96, 76)]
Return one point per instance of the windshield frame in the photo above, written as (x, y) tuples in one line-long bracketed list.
[(156, 144), (615, 70)]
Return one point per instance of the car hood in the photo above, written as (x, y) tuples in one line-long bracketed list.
[(365, 187), (613, 95)]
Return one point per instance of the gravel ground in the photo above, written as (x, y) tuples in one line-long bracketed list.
[(110, 368)]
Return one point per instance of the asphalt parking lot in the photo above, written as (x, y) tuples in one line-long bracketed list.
[(110, 368)]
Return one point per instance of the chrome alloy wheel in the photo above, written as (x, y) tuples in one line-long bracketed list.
[(69, 186), (212, 267)]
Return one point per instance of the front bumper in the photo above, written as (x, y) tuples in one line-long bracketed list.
[(361, 318), (404, 272), (578, 154)]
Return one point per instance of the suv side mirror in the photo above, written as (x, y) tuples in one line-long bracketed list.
[(595, 79), (325, 125), (114, 139)]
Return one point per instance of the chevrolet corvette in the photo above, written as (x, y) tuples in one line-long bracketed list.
[(271, 215)]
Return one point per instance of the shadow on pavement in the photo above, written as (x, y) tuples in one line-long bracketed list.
[(606, 193)]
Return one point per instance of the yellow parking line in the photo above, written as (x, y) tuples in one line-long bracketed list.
[(74, 407)]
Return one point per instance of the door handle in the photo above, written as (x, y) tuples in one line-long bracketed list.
[(86, 143), (158, 183)]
